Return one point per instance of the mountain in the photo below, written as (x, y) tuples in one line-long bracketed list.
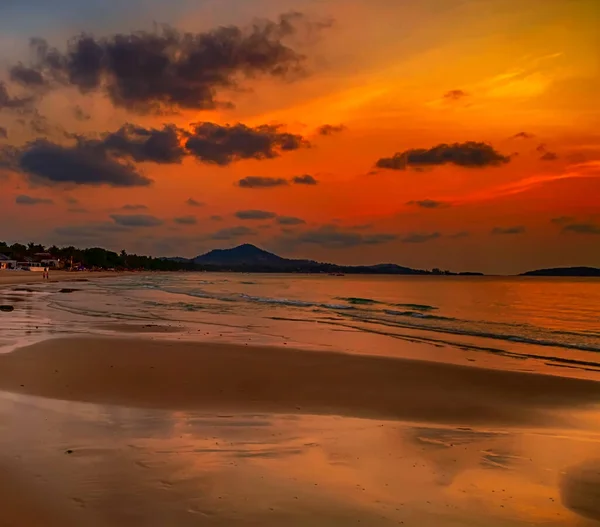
[(565, 271), (245, 254), (249, 258)]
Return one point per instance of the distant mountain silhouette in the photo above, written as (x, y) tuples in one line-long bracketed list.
[(250, 258), (246, 254), (565, 271)]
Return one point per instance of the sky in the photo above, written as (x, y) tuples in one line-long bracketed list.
[(458, 134)]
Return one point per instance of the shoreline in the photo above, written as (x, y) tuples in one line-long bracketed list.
[(169, 374), (9, 278)]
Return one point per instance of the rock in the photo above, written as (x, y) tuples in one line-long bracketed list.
[(68, 452), (6, 308), (67, 290)]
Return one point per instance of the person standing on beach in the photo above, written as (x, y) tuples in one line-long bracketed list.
[(46, 274)]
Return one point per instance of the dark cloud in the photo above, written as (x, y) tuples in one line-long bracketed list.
[(332, 237), (3, 133), (517, 229), (168, 70), (12, 103), (134, 206), (455, 95), (562, 220), (79, 164), (136, 220), (71, 200), (290, 220), (305, 179), (420, 237), (232, 233), (330, 129), (428, 204), (523, 135), (30, 200), (186, 220), (549, 156), (582, 228), (262, 182), (255, 215), (194, 203), (144, 144), (470, 154), (222, 145), (216, 217), (26, 76)]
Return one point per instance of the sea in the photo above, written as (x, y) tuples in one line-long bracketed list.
[(527, 321)]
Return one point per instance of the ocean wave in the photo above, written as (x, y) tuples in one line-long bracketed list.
[(417, 307), (295, 303), (414, 314), (359, 301)]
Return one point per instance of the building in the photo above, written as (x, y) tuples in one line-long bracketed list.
[(7, 263)]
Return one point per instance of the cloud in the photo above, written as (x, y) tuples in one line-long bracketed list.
[(330, 236), (222, 145), (305, 179), (26, 76), (523, 135), (290, 220), (77, 210), (517, 229), (455, 95), (79, 164), (216, 217), (29, 200), (80, 114), (330, 129), (144, 144), (232, 233), (255, 215), (549, 156), (12, 103), (194, 203), (262, 182), (136, 220), (582, 228), (3, 133), (420, 237), (134, 207), (186, 220), (428, 204), (470, 154), (164, 70)]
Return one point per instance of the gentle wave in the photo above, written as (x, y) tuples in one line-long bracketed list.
[(374, 312)]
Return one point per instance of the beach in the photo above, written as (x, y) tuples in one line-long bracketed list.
[(128, 420)]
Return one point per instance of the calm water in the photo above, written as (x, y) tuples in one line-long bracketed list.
[(556, 320)]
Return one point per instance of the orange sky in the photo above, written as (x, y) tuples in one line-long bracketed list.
[(523, 77)]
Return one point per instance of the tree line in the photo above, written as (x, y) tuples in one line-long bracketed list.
[(92, 258)]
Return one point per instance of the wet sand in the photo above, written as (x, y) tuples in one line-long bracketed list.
[(29, 277), (138, 432), (193, 375)]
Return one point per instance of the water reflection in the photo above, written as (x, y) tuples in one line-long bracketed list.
[(138, 467)]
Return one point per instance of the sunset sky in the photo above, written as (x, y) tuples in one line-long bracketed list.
[(461, 134)]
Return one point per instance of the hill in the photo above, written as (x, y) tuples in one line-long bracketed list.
[(250, 258), (565, 271)]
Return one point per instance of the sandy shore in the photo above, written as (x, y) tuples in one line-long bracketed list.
[(28, 277), (177, 375)]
